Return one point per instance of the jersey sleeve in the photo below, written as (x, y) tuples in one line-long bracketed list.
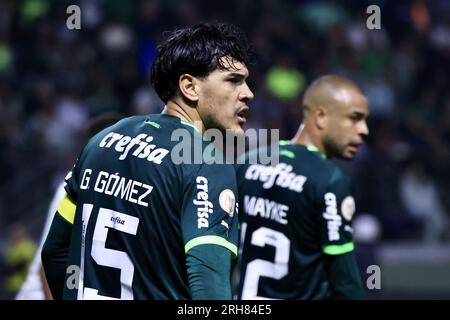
[(55, 251), (71, 183), (337, 207), (67, 205), (208, 214), (55, 254)]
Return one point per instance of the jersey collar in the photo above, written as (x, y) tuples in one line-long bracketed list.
[(190, 125), (310, 147), (313, 148)]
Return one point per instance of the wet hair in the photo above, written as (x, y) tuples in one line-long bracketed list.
[(197, 51)]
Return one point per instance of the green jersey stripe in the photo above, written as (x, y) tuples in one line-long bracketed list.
[(313, 148), (210, 240), (152, 123), (339, 249), (287, 153)]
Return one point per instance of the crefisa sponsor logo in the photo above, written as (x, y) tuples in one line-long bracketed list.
[(334, 220), (280, 175), (204, 206), (143, 149)]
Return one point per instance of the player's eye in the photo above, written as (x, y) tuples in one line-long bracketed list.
[(235, 80), (356, 116)]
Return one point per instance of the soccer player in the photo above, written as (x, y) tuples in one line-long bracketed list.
[(296, 216), (136, 225)]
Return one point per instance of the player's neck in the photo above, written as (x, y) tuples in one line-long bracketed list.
[(304, 136), (186, 113)]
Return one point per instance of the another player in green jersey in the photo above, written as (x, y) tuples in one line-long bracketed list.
[(136, 225), (296, 216)]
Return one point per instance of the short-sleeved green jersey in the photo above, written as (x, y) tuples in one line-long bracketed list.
[(138, 213), (292, 215)]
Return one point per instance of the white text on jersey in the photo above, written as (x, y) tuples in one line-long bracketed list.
[(266, 209), (117, 186), (204, 207), (280, 175), (124, 144), (334, 220)]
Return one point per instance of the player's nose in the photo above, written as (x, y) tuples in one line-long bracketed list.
[(246, 93), (363, 129)]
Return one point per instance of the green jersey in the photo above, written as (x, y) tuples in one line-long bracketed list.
[(138, 212), (293, 215)]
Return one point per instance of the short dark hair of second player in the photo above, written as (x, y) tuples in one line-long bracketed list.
[(197, 51)]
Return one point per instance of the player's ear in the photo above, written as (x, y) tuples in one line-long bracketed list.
[(188, 87), (321, 117)]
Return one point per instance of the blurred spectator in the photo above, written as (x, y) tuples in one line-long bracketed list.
[(321, 15), (17, 258), (6, 55), (381, 97), (420, 197), (285, 82)]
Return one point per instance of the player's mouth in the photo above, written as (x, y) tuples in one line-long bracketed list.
[(241, 115), (353, 147)]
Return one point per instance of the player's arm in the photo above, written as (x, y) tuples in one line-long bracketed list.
[(208, 266), (344, 277), (55, 252), (45, 287), (210, 236), (337, 208)]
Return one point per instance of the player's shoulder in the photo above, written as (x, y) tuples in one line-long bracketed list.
[(213, 166), (124, 123), (308, 160), (334, 174), (136, 138), (120, 126), (262, 155)]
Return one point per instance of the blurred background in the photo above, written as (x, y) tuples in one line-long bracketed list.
[(53, 80)]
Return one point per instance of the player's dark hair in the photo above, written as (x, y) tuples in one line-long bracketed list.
[(197, 51)]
